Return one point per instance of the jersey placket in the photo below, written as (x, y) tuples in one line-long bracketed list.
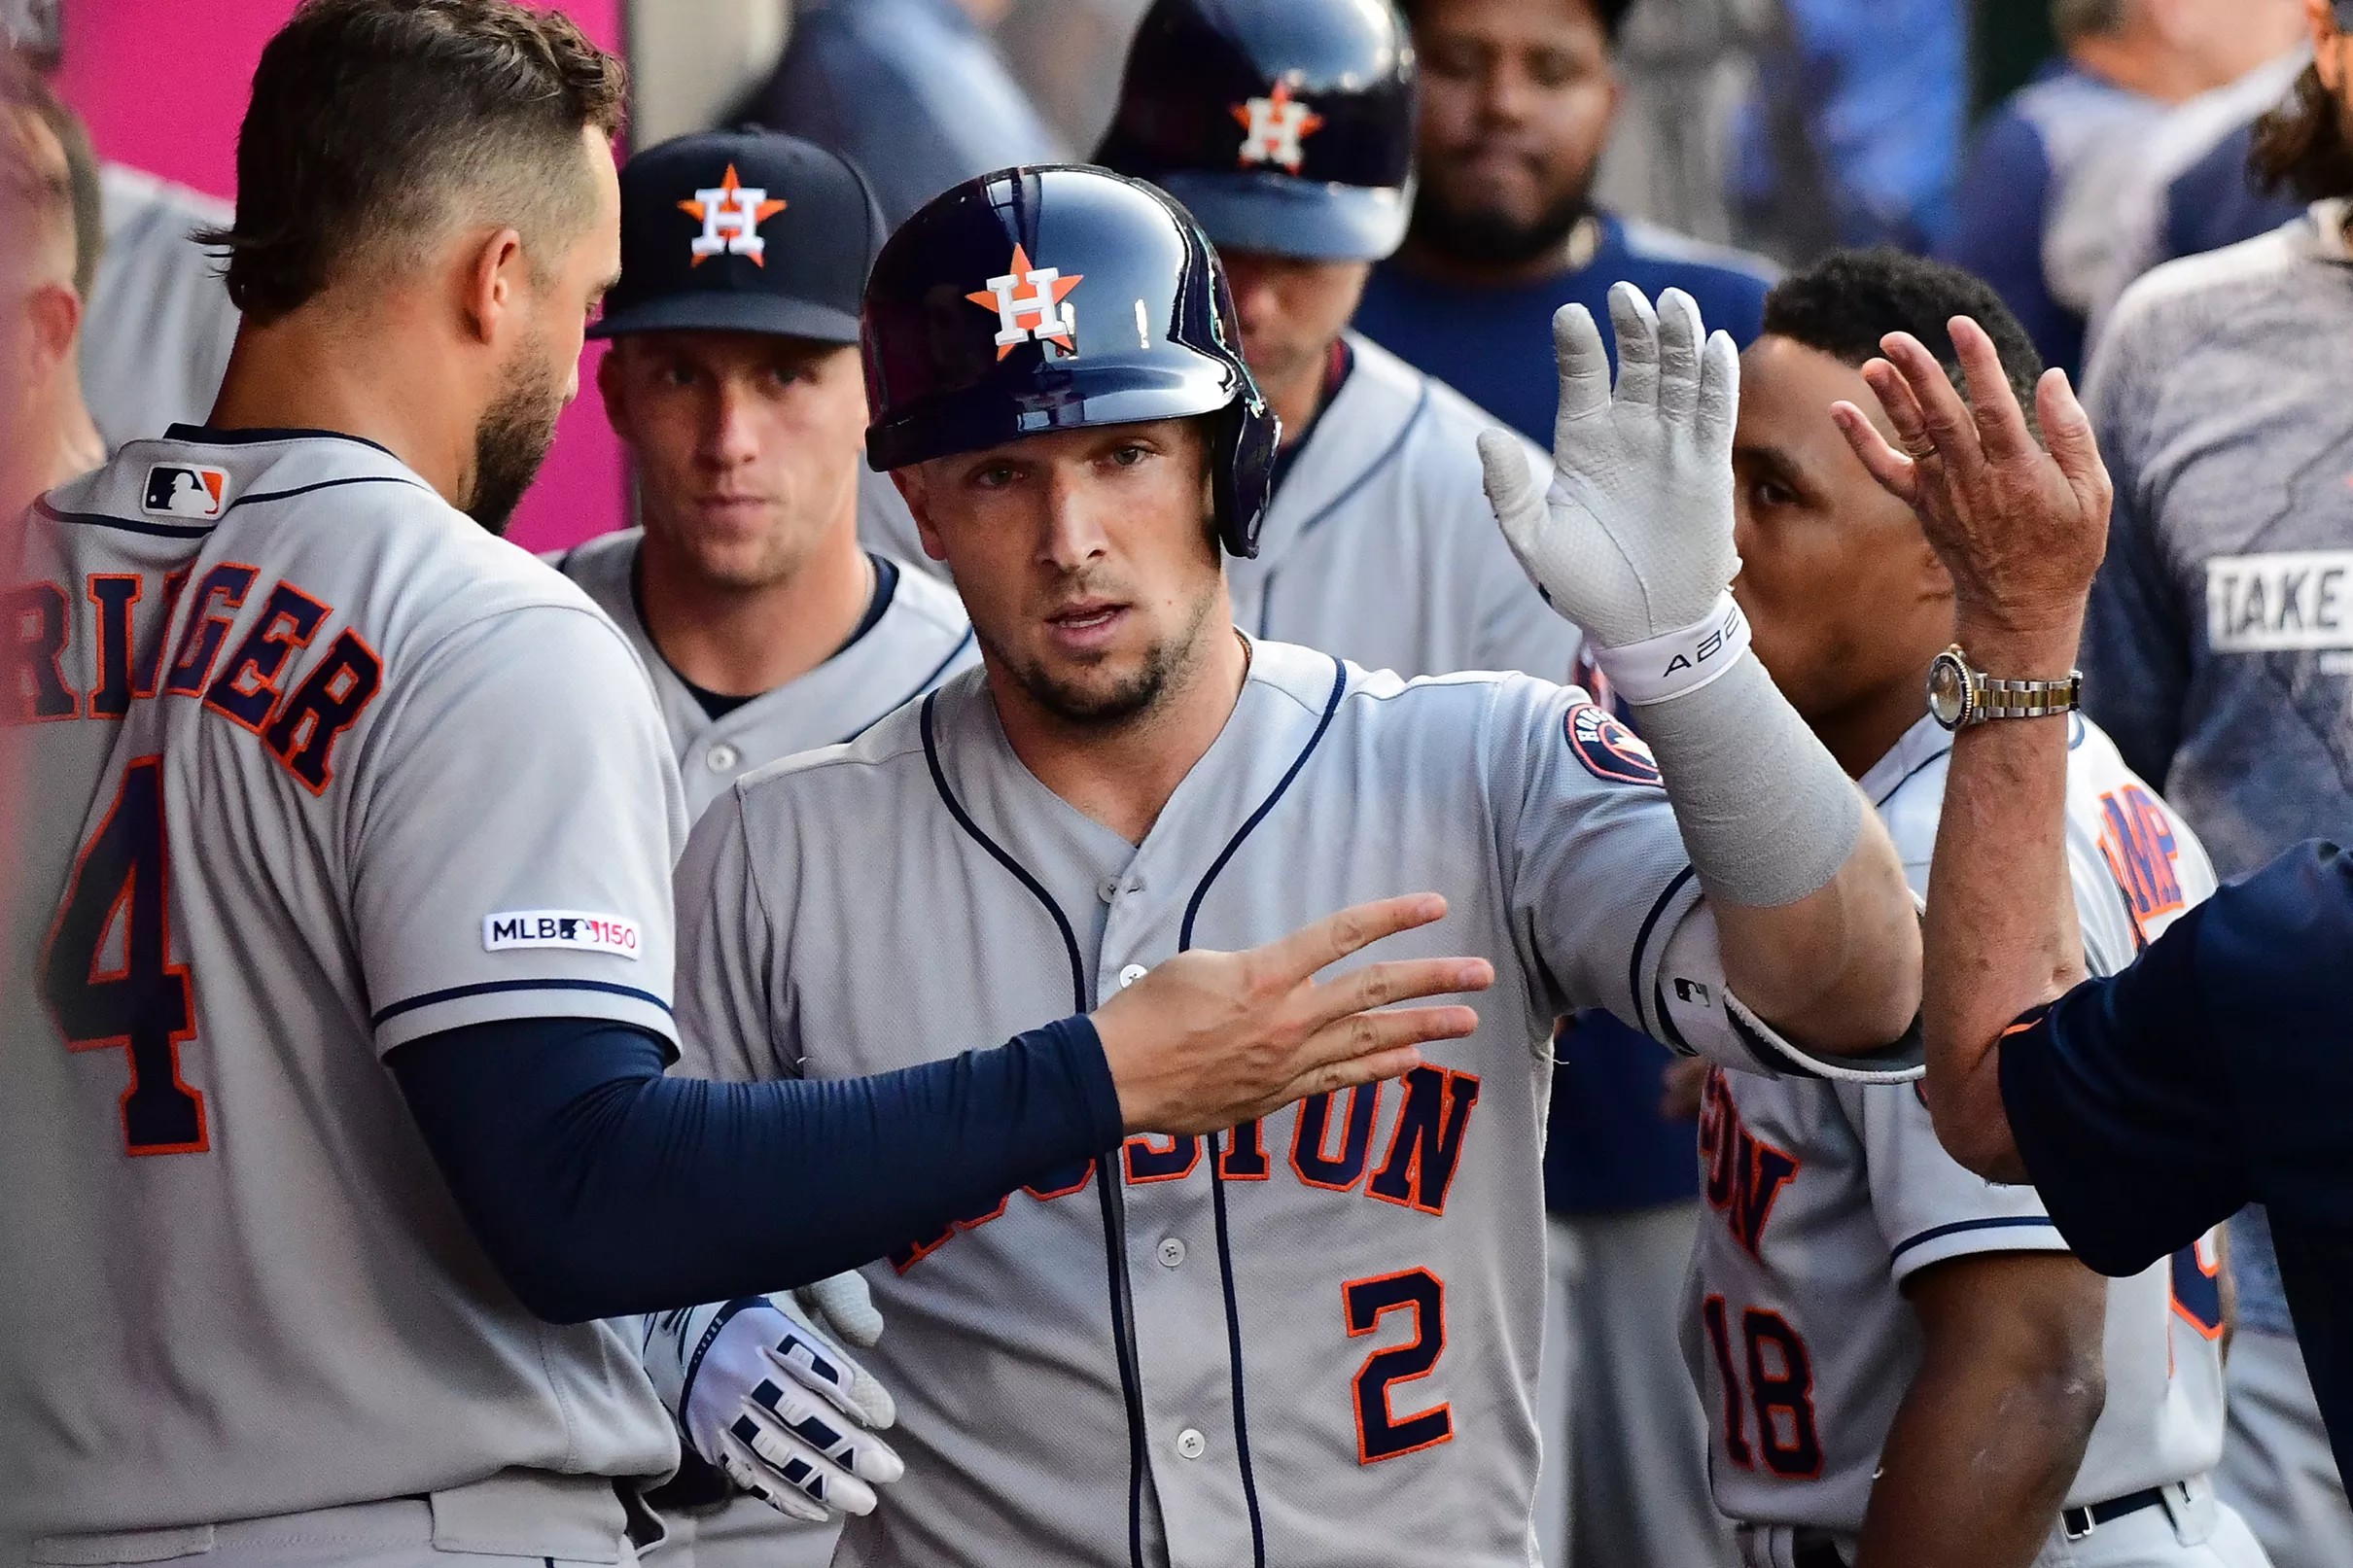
[(1192, 1446)]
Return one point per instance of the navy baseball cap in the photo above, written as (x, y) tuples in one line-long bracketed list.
[(743, 231)]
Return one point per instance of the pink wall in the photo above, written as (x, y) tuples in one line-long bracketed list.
[(162, 83)]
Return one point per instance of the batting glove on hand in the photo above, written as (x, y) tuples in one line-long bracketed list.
[(1633, 542), (762, 1393)]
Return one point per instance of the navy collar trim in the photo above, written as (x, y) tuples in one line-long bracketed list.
[(258, 435)]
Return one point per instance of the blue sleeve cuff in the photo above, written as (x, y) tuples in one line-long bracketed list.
[(1078, 1049)]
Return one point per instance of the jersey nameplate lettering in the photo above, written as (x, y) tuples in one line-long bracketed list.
[(561, 929)]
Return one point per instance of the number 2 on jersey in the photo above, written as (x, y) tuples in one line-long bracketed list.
[(1380, 1432), (1780, 1392), (142, 1004)]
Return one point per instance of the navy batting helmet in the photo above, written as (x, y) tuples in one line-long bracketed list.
[(1285, 129), (1059, 298)]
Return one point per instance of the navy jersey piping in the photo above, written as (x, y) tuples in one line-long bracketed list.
[(487, 987), (322, 484), (2009, 1222), (262, 434), (99, 519), (920, 686), (1324, 514), (1114, 1234), (199, 529), (1217, 1151), (1634, 966), (1896, 789)]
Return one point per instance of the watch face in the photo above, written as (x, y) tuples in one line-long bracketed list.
[(1948, 690)]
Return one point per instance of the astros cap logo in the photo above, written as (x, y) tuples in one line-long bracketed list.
[(1274, 126), (1041, 313), (731, 213)]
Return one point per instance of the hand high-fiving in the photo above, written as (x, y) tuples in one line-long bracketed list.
[(2020, 528), (1635, 540)]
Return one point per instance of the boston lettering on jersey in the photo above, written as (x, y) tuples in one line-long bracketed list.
[(260, 684), (1743, 1173), (1331, 1148)]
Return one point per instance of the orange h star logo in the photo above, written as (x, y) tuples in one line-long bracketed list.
[(731, 213), (1273, 128), (1040, 314)]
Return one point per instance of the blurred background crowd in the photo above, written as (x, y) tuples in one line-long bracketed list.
[(2058, 149)]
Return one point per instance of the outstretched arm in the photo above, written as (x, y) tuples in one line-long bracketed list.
[(2021, 531), (1993, 1428), (1635, 545)]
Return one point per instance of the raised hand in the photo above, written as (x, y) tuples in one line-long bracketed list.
[(2020, 528), (1635, 540)]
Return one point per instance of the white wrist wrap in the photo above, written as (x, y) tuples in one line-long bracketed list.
[(1677, 664)]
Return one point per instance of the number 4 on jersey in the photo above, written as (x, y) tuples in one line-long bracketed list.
[(140, 1002)]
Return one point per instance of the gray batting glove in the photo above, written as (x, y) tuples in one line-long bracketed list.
[(1633, 542), (771, 1399)]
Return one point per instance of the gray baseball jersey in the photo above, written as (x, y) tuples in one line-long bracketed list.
[(921, 637), (1825, 1198), (1312, 1340), (157, 336), (315, 767), (1379, 545)]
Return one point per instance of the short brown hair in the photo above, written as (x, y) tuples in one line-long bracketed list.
[(372, 118), (2303, 148), (46, 167)]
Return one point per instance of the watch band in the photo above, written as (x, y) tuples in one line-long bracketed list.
[(1994, 698)]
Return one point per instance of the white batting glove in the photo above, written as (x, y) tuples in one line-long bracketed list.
[(760, 1391), (1633, 542)]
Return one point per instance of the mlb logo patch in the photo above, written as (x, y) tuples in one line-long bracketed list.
[(185, 490)]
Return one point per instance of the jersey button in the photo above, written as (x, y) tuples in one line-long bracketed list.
[(1191, 1443), (1172, 1252), (723, 758), (1131, 974), (1108, 889)]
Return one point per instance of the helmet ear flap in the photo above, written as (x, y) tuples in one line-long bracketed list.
[(1245, 437)]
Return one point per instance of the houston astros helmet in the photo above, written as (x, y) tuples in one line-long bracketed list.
[(1283, 128), (1057, 297)]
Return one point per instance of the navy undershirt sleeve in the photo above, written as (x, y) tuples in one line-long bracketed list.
[(600, 1187)]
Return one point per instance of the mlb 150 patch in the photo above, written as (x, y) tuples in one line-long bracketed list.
[(1607, 748), (561, 929), (185, 490)]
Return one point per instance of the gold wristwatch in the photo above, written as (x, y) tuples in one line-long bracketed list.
[(1960, 696)]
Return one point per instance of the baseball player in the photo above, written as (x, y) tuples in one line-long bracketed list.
[(336, 1017), (47, 438), (1903, 1363), (1287, 134), (160, 324), (765, 629), (1307, 1339)]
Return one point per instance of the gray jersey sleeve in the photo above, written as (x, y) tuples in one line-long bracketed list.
[(1594, 870), (1929, 1207), (513, 842), (728, 947)]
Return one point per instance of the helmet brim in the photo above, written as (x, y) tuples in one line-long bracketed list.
[(1279, 215), (977, 418), (720, 311)]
